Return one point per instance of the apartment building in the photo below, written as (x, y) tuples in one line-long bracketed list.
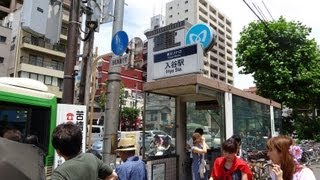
[(218, 62), (132, 80), (31, 55), (5, 34)]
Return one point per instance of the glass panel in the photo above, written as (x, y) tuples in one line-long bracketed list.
[(277, 120), (48, 80), (41, 78), (54, 81), (39, 61), (32, 59), (159, 124), (33, 76), (24, 74), (208, 115), (25, 118), (251, 120)]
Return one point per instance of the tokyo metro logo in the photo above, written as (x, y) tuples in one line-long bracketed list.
[(202, 34), (198, 38)]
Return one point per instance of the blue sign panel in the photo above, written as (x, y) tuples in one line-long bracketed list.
[(202, 34), (119, 43), (173, 54)]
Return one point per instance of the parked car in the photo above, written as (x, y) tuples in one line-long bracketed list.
[(97, 133), (98, 145)]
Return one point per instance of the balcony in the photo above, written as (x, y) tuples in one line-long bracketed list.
[(54, 65), (41, 45), (64, 33)]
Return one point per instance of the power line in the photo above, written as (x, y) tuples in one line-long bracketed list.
[(267, 10), (262, 21), (260, 12)]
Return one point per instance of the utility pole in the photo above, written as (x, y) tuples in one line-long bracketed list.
[(86, 69), (111, 118), (71, 55)]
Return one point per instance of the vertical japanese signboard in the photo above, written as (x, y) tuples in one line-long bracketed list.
[(76, 114)]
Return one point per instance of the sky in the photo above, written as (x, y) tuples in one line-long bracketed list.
[(137, 15)]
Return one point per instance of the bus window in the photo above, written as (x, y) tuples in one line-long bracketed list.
[(25, 104)]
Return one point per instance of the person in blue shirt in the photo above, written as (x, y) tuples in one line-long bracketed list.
[(133, 167)]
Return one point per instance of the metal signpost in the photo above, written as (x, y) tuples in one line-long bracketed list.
[(111, 120)]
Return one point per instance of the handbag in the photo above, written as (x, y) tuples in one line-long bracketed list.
[(202, 167)]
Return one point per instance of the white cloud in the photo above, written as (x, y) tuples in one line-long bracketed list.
[(138, 14)]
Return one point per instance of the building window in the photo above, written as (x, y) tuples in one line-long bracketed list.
[(58, 65), (48, 80), (36, 60), (170, 7), (1, 60), (54, 81), (170, 16), (33, 76), (13, 39), (12, 47), (60, 84), (186, 2), (186, 10), (32, 59), (24, 74), (3, 39), (186, 19), (41, 78)]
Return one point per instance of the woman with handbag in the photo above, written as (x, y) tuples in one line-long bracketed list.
[(199, 149)]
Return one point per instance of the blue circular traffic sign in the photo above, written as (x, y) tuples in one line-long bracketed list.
[(203, 34), (119, 43)]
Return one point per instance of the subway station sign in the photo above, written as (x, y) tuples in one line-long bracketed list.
[(179, 61)]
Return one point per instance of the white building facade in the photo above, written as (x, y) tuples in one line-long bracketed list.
[(218, 62)]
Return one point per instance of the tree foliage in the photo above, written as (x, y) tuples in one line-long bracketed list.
[(130, 113), (128, 118), (283, 60), (103, 97)]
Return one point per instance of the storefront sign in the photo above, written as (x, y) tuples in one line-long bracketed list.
[(178, 61), (76, 114)]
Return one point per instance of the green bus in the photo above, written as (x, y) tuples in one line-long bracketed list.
[(26, 105)]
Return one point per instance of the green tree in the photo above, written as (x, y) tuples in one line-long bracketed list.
[(285, 63), (129, 114), (283, 60), (102, 97)]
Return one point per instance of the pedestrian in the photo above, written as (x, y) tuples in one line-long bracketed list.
[(229, 166), (67, 140), (198, 149), (133, 167), (11, 133), (285, 158), (190, 141), (237, 138)]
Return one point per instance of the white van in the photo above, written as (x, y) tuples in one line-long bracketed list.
[(97, 133)]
